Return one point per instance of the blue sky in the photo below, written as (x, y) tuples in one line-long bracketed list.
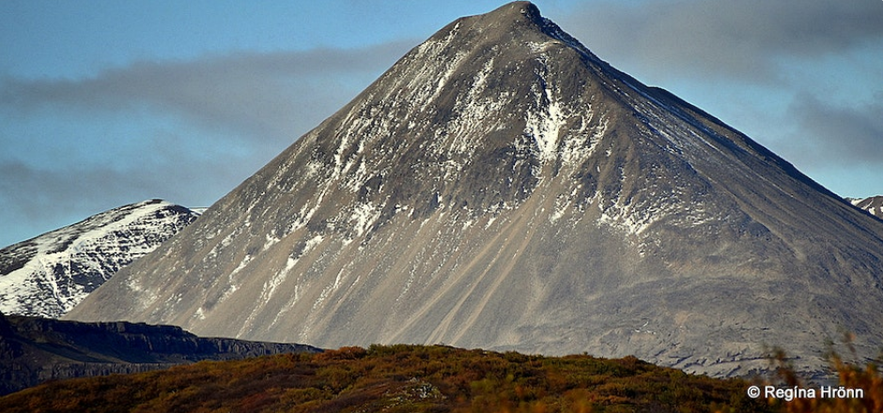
[(104, 103)]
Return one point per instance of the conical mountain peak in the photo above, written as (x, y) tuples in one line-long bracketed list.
[(515, 11), (516, 24), (501, 187)]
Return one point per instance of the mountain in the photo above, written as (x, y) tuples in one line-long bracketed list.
[(34, 350), (502, 187), (873, 204), (50, 274)]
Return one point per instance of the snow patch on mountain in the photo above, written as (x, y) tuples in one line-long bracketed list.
[(545, 124)]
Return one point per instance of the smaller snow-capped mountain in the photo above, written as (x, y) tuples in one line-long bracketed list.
[(874, 204), (50, 274)]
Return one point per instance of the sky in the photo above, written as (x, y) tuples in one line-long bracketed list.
[(106, 103)]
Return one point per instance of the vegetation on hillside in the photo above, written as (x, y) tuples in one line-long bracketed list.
[(408, 378), (868, 379), (399, 378)]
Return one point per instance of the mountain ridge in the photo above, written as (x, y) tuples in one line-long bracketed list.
[(872, 204), (502, 188), (49, 274)]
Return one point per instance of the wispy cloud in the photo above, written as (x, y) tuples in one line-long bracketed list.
[(744, 40), (829, 134), (37, 198), (256, 94), (225, 116)]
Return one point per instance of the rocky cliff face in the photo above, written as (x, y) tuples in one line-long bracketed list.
[(502, 187), (48, 275), (33, 350)]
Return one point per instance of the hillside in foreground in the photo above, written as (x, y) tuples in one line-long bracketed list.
[(400, 378)]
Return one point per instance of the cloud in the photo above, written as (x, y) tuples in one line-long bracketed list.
[(743, 40), (38, 198), (186, 131), (829, 134), (258, 95)]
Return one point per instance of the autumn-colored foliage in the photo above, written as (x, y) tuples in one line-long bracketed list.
[(868, 378), (398, 378)]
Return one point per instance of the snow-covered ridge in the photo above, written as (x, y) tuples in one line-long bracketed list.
[(49, 274), (874, 204)]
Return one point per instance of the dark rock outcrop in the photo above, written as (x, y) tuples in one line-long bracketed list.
[(33, 350)]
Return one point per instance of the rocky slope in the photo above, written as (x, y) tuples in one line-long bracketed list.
[(33, 350), (50, 274), (502, 187)]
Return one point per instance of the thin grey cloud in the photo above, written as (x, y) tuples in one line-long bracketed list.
[(830, 134), (744, 40), (33, 195), (231, 114), (259, 95), (43, 199)]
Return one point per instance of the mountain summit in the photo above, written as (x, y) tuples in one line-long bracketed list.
[(502, 187)]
